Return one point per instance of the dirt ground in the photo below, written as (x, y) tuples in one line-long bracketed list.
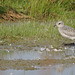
[(30, 64)]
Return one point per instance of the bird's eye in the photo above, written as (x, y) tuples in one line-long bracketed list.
[(59, 23)]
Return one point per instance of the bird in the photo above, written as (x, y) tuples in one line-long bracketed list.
[(65, 31)]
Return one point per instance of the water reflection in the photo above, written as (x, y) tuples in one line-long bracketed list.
[(61, 69), (38, 53)]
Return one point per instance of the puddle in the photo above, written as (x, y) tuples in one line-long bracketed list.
[(38, 61), (25, 55), (37, 53), (61, 69)]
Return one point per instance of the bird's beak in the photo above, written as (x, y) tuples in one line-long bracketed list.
[(54, 25)]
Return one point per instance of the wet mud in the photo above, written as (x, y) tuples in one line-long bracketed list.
[(30, 64), (36, 57)]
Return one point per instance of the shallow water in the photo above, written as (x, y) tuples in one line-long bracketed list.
[(61, 69), (39, 53)]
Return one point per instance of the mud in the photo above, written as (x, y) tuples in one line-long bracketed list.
[(30, 64)]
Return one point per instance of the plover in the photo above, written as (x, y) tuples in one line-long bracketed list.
[(65, 31)]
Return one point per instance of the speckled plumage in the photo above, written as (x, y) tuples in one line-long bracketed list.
[(66, 31)]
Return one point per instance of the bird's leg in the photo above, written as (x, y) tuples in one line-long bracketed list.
[(63, 42)]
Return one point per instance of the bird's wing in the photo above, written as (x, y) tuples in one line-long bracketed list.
[(69, 31)]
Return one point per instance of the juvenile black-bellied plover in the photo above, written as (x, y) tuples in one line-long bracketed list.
[(65, 31)]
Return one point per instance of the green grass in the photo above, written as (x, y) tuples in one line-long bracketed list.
[(45, 10), (40, 9), (44, 31)]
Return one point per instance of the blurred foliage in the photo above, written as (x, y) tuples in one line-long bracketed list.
[(39, 8), (2, 10)]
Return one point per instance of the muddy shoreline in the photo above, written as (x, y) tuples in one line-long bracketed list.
[(30, 64)]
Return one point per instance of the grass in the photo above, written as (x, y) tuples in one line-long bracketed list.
[(40, 9), (40, 31), (49, 10)]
